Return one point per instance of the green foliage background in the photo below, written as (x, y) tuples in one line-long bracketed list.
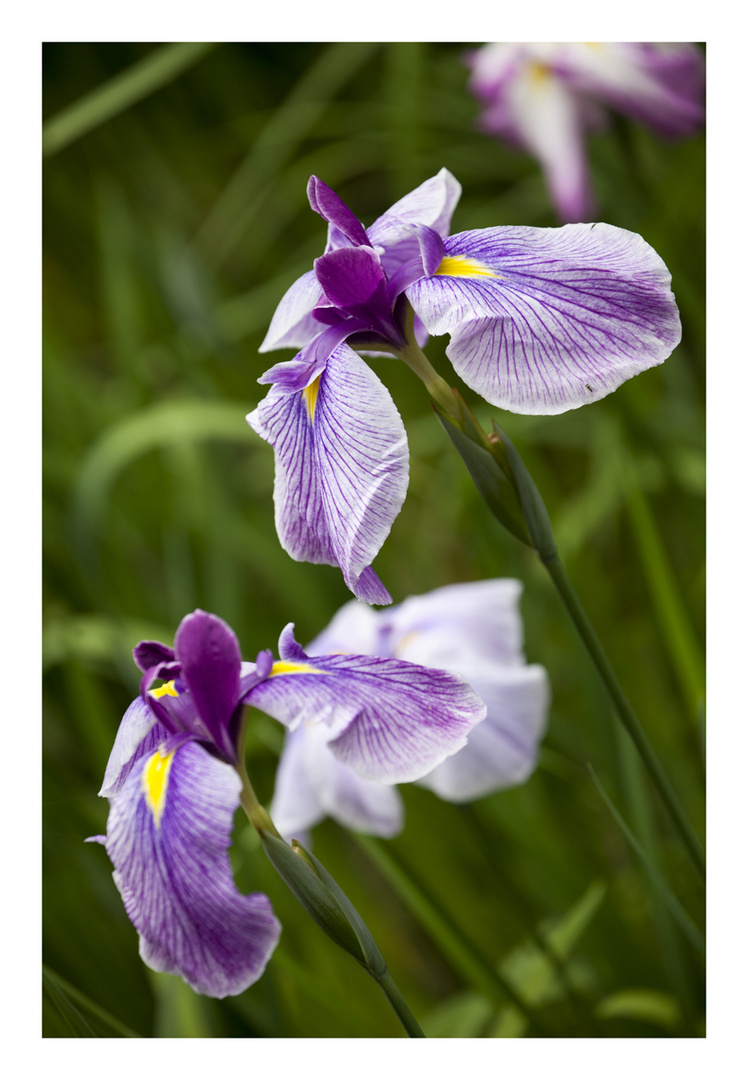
[(173, 223)]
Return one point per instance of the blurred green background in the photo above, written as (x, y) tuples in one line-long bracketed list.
[(172, 227)]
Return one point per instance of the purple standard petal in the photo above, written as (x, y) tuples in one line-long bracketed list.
[(331, 207), (545, 320), (432, 204), (168, 836), (312, 784), (388, 720), (503, 750), (341, 469), (208, 651)]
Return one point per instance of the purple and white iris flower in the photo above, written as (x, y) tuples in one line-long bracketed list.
[(474, 629), (539, 321), (175, 779), (545, 96)]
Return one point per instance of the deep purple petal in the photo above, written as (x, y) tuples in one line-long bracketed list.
[(211, 664), (545, 320), (332, 208), (341, 469), (149, 654), (388, 720), (168, 840)]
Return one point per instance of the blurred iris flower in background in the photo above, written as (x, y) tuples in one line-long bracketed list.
[(474, 629), (176, 774), (540, 321), (545, 96)]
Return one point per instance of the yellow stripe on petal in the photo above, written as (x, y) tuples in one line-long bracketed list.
[(155, 781), (166, 688), (464, 266), (309, 394), (288, 667)]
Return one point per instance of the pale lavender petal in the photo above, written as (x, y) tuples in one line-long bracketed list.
[(293, 325), (431, 204), (454, 625), (548, 119), (502, 751), (341, 469), (353, 628), (659, 84), (168, 843), (138, 733), (388, 720), (553, 318), (312, 784)]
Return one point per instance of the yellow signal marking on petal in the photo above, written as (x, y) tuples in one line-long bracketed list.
[(288, 667), (167, 688), (154, 782), (464, 266), (309, 394)]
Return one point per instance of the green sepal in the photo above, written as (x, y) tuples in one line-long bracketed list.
[(535, 515), (482, 460), (318, 892)]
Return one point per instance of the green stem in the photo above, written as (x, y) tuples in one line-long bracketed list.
[(418, 362), (397, 1001), (325, 901), (626, 714)]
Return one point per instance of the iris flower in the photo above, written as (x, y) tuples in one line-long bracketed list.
[(545, 96), (474, 629), (539, 321), (176, 776)]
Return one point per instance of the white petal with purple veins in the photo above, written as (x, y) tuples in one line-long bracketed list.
[(168, 836), (545, 320), (388, 720), (341, 469)]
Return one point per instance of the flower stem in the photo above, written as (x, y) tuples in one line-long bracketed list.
[(397, 1001), (319, 893), (625, 712)]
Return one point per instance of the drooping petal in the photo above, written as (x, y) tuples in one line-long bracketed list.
[(168, 835), (454, 625), (138, 734), (211, 661), (312, 784), (388, 720), (502, 751), (293, 325), (548, 119), (546, 320), (341, 469)]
